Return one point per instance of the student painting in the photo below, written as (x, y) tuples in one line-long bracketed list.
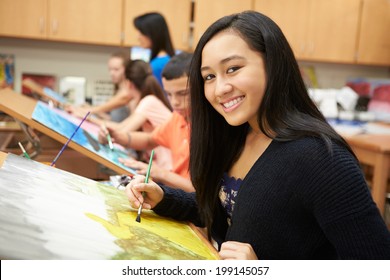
[(273, 179), (119, 106), (153, 34), (173, 134), (152, 109)]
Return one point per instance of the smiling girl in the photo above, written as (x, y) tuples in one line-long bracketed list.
[(273, 180)]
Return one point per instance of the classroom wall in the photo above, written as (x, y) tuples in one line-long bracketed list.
[(59, 59), (89, 61)]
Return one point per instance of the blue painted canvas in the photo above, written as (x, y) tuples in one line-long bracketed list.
[(64, 126)]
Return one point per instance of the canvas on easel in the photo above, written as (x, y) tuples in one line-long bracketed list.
[(65, 124), (47, 213), (22, 109)]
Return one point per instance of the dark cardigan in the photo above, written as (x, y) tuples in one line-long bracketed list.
[(298, 201)]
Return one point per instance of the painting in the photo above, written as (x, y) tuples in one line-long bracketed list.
[(43, 80), (7, 70), (47, 213), (87, 136)]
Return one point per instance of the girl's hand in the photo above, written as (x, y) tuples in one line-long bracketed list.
[(232, 250), (79, 112), (102, 136), (153, 193)]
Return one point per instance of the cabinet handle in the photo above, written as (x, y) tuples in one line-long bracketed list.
[(54, 26), (41, 25)]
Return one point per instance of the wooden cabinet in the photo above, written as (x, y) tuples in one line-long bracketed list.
[(23, 18), (292, 18), (317, 30), (87, 21), (176, 13), (348, 31), (206, 12), (374, 39)]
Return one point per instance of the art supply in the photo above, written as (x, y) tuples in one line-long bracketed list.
[(109, 138), (138, 219), (70, 138), (24, 151)]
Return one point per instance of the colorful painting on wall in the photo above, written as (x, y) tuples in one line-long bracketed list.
[(7, 70), (43, 80), (65, 124), (48, 213)]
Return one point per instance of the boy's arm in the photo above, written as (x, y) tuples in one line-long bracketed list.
[(136, 140), (173, 180), (161, 175)]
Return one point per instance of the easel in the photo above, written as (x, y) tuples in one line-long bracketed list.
[(22, 107)]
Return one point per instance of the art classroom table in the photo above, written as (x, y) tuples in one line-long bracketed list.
[(22, 107), (374, 150)]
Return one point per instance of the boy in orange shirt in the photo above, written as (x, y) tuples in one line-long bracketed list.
[(174, 134)]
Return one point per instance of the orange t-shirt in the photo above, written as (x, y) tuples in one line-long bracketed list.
[(175, 135)]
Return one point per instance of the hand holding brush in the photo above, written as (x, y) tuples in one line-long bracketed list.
[(138, 219)]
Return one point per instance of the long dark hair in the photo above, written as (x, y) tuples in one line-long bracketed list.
[(286, 112), (154, 26), (140, 74)]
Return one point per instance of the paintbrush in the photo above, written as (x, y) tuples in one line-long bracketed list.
[(108, 138), (70, 138), (138, 219), (24, 151)]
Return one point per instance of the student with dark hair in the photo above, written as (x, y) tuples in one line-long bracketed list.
[(273, 180), (151, 109), (118, 107), (173, 134), (154, 35)]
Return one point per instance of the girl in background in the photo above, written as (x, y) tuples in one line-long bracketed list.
[(154, 35), (151, 109), (119, 106)]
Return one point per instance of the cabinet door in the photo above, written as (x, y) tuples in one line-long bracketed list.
[(374, 40), (86, 21), (292, 17), (23, 18), (333, 29), (317, 30), (176, 13), (206, 12)]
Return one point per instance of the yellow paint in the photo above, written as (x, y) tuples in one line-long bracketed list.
[(176, 232)]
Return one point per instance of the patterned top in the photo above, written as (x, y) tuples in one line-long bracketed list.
[(228, 193)]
